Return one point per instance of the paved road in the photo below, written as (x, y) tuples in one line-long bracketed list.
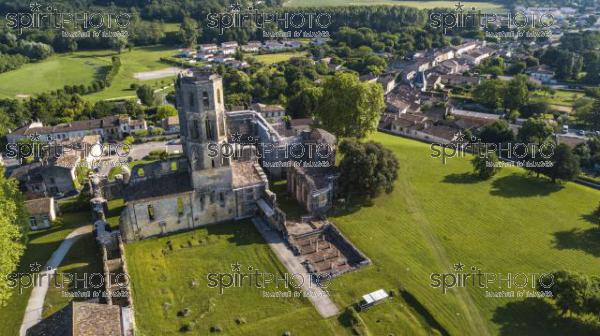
[(35, 305), (319, 298)]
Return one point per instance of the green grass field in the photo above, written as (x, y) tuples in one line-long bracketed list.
[(562, 100), (82, 68), (416, 4), (166, 281), (278, 57), (439, 215), (51, 74), (39, 249), (83, 258)]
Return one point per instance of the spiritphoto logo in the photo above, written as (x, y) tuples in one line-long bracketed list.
[(284, 284), (51, 16), (496, 284), (521, 20), (529, 155), (291, 24), (70, 283)]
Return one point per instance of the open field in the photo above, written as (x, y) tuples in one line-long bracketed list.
[(51, 74), (416, 4), (140, 59), (83, 67), (561, 100), (438, 215), (276, 58), (168, 280), (39, 249)]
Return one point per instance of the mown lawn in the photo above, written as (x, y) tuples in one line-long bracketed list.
[(82, 260), (82, 68), (51, 74), (439, 215), (416, 4), (166, 281), (39, 249), (276, 58)]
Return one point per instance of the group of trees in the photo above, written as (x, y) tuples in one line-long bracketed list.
[(534, 133), (13, 229), (495, 93)]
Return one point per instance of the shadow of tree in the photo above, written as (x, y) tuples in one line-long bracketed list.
[(536, 317), (578, 239), (464, 178), (522, 186)]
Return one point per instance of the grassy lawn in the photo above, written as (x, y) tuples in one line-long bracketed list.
[(562, 100), (39, 249), (83, 258), (166, 281), (51, 74), (82, 67), (416, 4), (276, 58), (438, 215), (138, 60)]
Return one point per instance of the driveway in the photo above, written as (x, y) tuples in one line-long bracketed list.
[(319, 298), (35, 305)]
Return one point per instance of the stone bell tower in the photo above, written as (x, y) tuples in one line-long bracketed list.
[(201, 112)]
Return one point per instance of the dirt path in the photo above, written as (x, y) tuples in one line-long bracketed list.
[(35, 305), (319, 298), (470, 310)]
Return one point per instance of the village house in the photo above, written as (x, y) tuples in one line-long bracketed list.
[(42, 212), (170, 124), (252, 46), (208, 48), (112, 127), (543, 73)]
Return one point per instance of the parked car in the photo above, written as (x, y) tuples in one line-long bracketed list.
[(581, 132)]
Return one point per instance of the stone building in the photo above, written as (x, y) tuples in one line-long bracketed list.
[(42, 212), (203, 188)]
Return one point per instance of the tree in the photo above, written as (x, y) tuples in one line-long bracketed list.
[(13, 229), (516, 94), (486, 165), (489, 93), (535, 130), (349, 107), (164, 111), (304, 104), (498, 132), (366, 169), (146, 94), (591, 116), (569, 291), (565, 165), (189, 32)]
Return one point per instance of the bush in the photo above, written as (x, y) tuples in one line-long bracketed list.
[(216, 329), (187, 327)]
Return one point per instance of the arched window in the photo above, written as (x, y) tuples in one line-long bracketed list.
[(195, 131), (150, 212), (205, 100), (219, 96)]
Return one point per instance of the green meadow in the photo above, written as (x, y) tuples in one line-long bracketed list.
[(437, 216), (82, 68), (440, 215)]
